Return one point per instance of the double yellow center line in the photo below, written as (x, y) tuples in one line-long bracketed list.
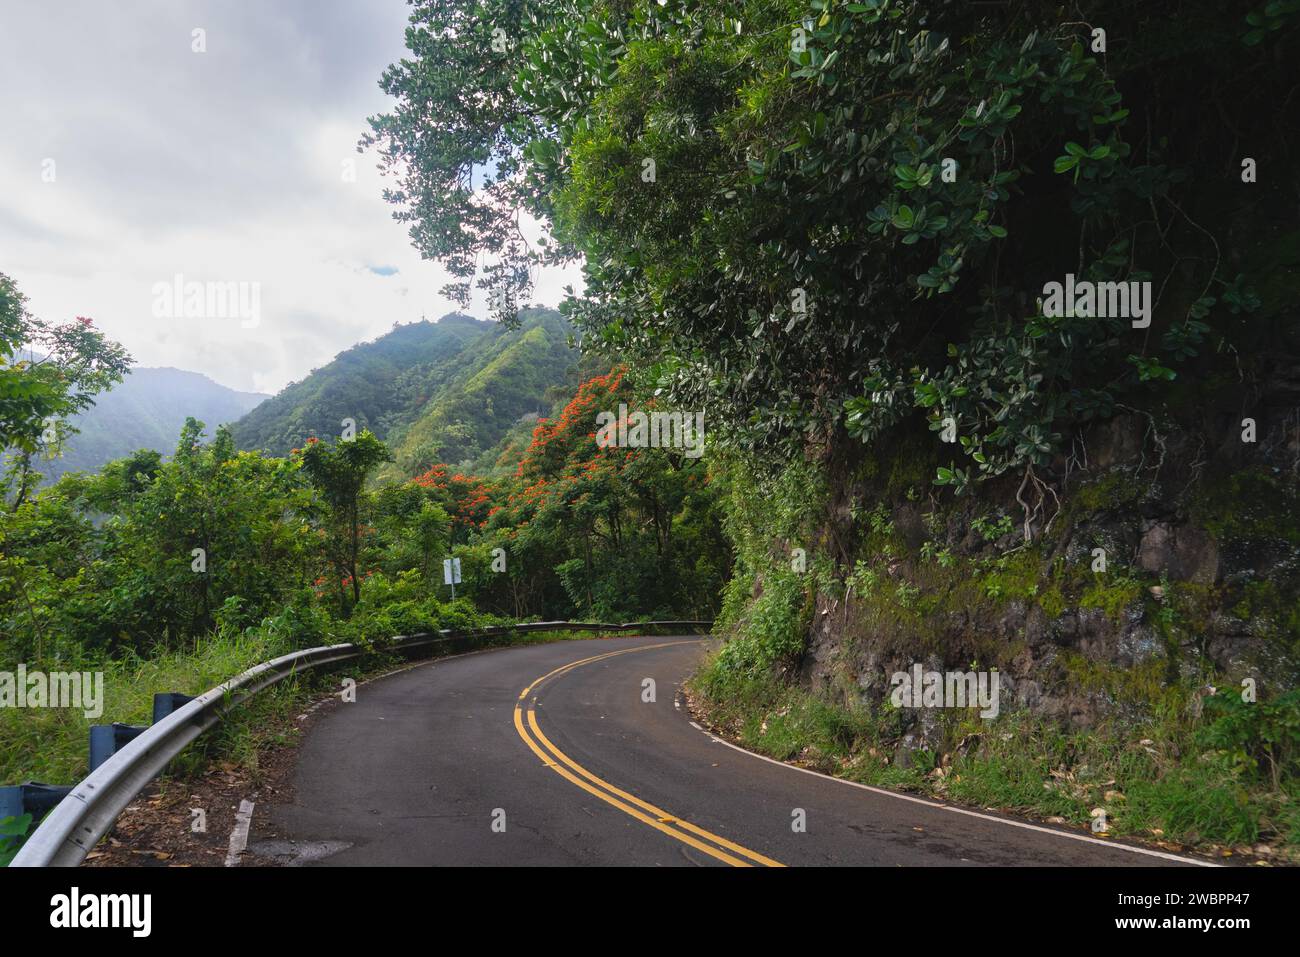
[(645, 812)]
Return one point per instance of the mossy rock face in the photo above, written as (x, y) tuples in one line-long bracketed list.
[(1251, 506), (1112, 491), (1178, 600), (1113, 596)]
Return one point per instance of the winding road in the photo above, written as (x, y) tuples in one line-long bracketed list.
[(550, 754)]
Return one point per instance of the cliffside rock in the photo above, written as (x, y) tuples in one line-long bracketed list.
[(1179, 551)]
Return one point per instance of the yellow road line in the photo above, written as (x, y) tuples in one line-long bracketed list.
[(657, 818), (659, 813), (607, 654), (645, 819)]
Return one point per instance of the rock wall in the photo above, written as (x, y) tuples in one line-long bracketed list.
[(1201, 533)]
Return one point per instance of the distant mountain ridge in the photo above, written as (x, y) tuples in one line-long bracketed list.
[(146, 411), (446, 391)]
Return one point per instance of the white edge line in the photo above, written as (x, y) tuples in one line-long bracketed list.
[(239, 835), (962, 810)]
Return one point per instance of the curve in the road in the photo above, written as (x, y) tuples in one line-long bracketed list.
[(586, 769), (645, 812)]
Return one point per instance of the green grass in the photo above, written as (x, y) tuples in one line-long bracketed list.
[(50, 744), (1193, 781)]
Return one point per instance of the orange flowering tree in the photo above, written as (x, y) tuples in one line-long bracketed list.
[(603, 529), (467, 500)]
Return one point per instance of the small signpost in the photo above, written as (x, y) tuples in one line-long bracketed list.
[(451, 574)]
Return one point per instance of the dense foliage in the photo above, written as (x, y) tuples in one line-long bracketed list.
[(372, 383), (505, 377), (803, 212)]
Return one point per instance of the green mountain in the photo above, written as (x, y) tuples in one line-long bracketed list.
[(146, 411), (446, 391)]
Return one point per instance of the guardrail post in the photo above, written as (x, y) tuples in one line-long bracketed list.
[(105, 739), (30, 798), (165, 702)]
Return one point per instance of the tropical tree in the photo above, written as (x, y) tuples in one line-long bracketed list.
[(414, 529), (48, 373), (339, 471)]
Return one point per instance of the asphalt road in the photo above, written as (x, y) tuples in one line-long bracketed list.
[(548, 755)]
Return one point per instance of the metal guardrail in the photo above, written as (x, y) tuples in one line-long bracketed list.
[(77, 823)]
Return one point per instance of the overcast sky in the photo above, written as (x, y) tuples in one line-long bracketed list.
[(220, 166)]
